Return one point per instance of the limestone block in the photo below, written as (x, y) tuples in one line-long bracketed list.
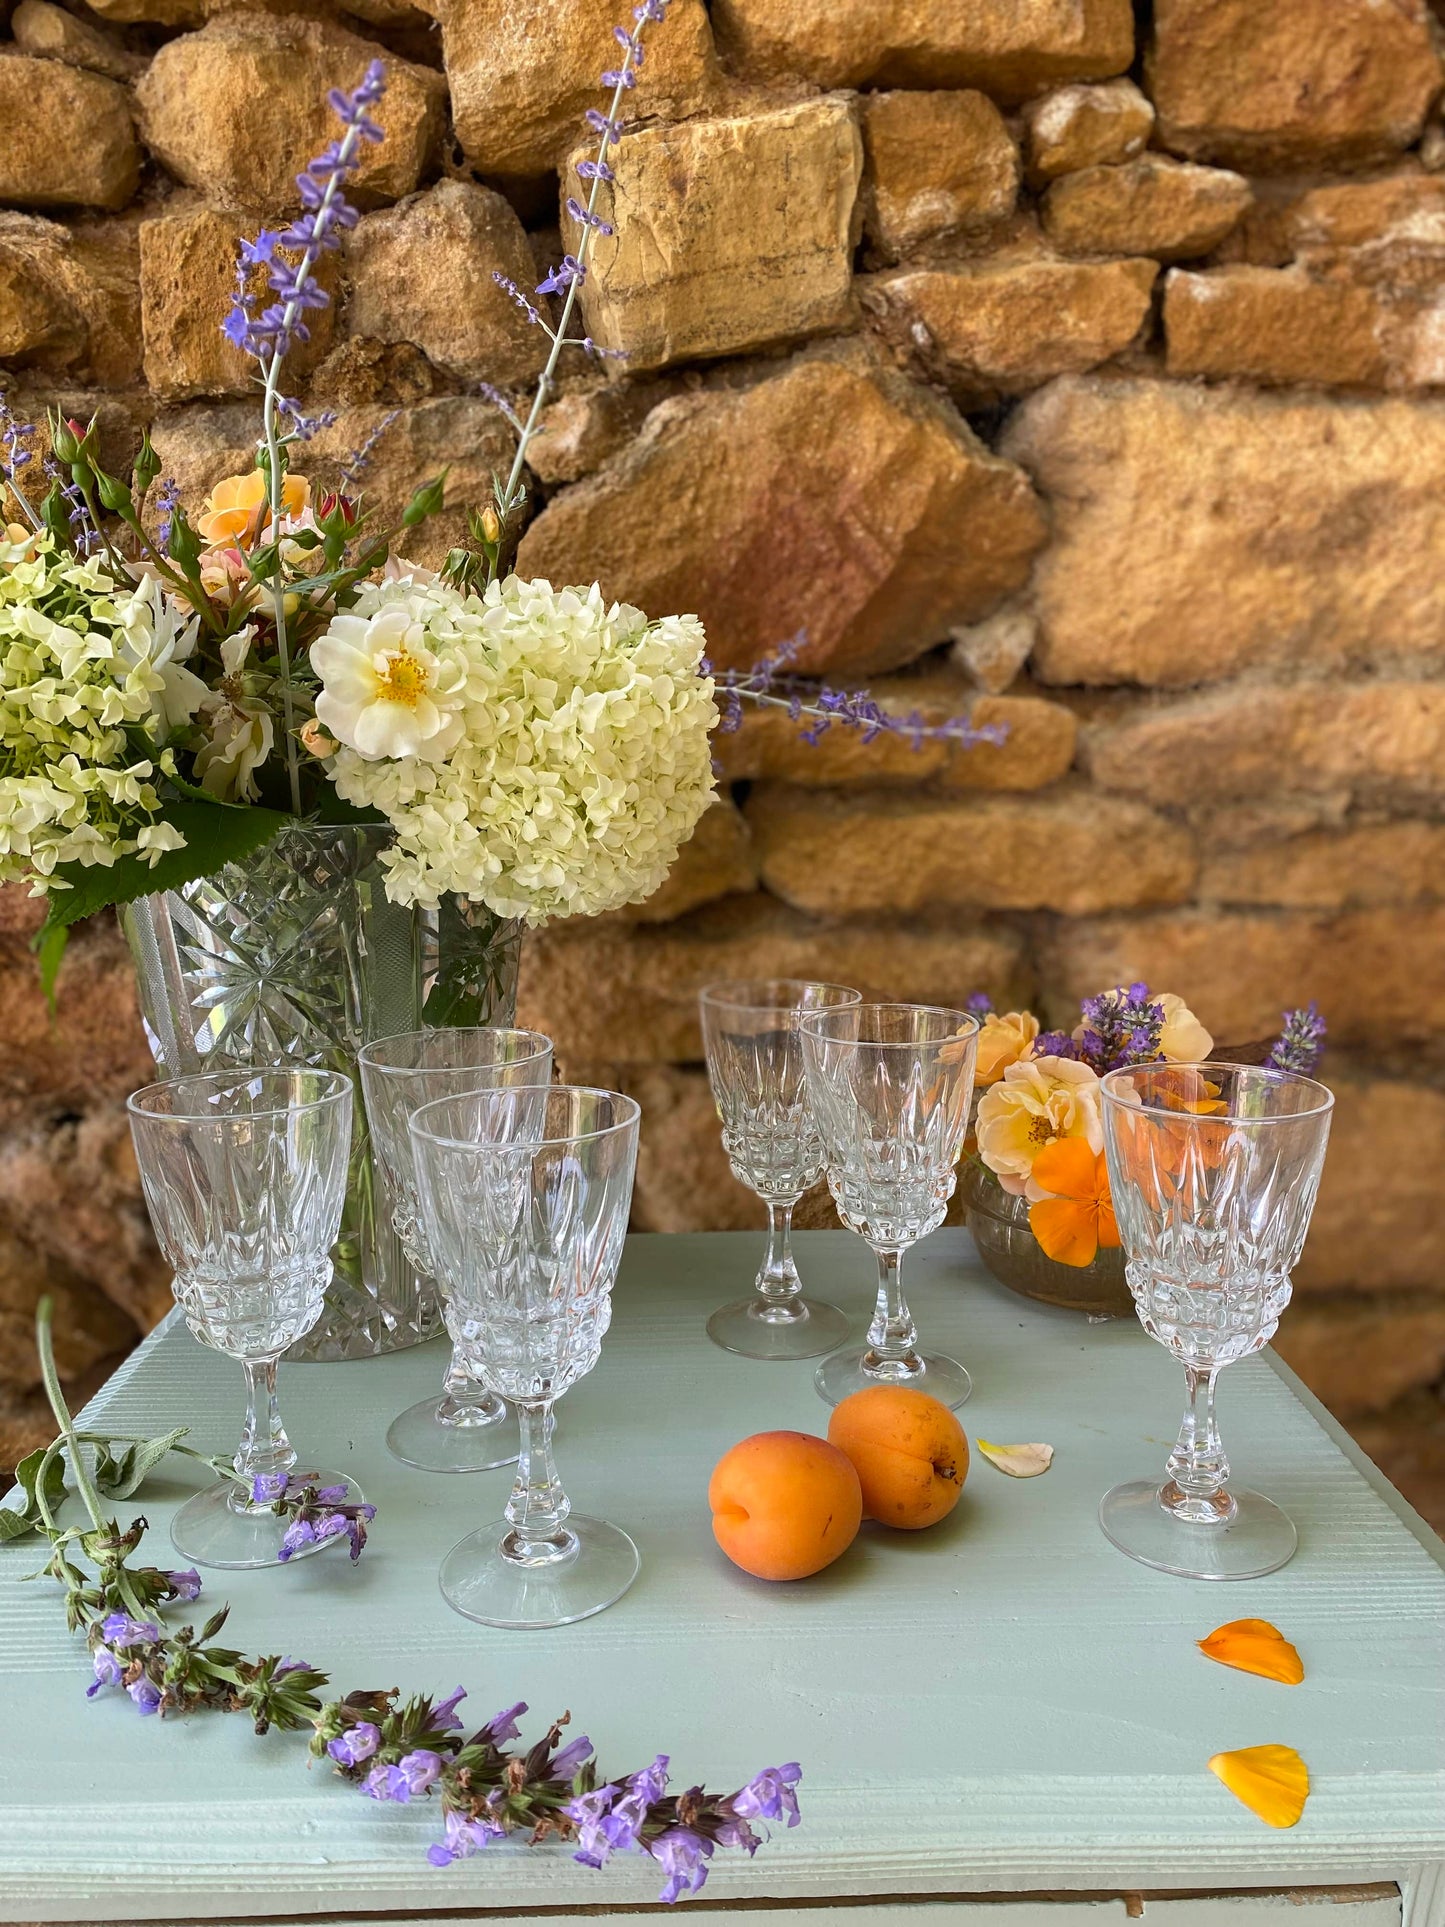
[(995, 650), (1158, 571), (1083, 126), (188, 282), (1291, 85), (69, 139), (937, 164), (282, 70), (51, 33), (1004, 327), (729, 234), (1274, 325), (1384, 738), (521, 78), (871, 854), (1376, 1226), (422, 272), (1168, 209), (831, 497), (611, 992), (1331, 869), (1010, 48)]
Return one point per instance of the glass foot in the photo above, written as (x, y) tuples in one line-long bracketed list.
[(210, 1530), (480, 1584), (1259, 1538), (847, 1372), (800, 1328), (481, 1434)]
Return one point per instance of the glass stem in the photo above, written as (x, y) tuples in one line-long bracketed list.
[(778, 1283), (1197, 1467), (893, 1336), (464, 1401), (538, 1507), (265, 1451)]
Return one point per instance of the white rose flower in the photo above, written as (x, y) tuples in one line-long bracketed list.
[(385, 693), (1183, 1040)]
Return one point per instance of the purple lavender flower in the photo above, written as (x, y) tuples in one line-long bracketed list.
[(1120, 1027), (146, 1695), (769, 1795), (414, 1773), (332, 1494), (107, 1668), (566, 1762), (120, 1630), (1055, 1043), (561, 278), (267, 1487), (603, 1827), (1301, 1044), (444, 1715), (978, 1003), (683, 1856), (503, 1726), (300, 1532), (356, 1745), (464, 1835), (651, 1783), (168, 496), (184, 1585)]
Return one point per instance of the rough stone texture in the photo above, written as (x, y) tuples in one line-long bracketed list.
[(1294, 84), (1332, 869), (38, 167), (683, 1180), (835, 498), (282, 69), (1168, 209), (522, 77), (422, 272), (68, 299), (1275, 325), (1003, 328), (730, 233), (50, 33), (617, 993), (995, 650), (188, 284), (1011, 47), (1037, 750), (1377, 1221), (1082, 126), (716, 861), (839, 855), (938, 164), (1199, 532), (1376, 738), (581, 431), (1361, 1355), (1375, 971)]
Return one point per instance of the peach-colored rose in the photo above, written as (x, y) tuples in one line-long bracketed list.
[(235, 510), (1003, 1041), (1038, 1101)]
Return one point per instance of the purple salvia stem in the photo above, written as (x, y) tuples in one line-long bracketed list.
[(360, 458)]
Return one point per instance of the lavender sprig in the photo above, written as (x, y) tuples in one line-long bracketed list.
[(1301, 1044), (16, 453), (772, 684), (316, 1512), (1120, 1027)]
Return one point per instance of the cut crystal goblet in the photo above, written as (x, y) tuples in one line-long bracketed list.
[(468, 1429), (525, 1195), (755, 1067), (1214, 1169), (244, 1174), (889, 1086)]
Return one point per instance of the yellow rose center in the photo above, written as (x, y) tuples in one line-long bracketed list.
[(1041, 1131), (403, 680)]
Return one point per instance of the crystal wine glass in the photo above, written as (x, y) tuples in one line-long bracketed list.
[(755, 1067), (468, 1429), (244, 1173), (525, 1196), (889, 1086), (1214, 1170)]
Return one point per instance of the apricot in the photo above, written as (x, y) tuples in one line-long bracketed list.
[(784, 1504), (909, 1450)]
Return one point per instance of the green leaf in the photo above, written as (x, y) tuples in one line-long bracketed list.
[(215, 836), (17, 1521), (15, 1524), (120, 1478), (49, 943)]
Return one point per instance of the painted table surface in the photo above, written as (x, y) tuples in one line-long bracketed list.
[(1001, 1704)]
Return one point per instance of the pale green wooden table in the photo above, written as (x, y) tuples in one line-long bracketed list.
[(1003, 1706)]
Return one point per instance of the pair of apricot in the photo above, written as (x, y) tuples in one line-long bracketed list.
[(785, 1504)]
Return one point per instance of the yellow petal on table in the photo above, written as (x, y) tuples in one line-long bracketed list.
[(1272, 1781), (1254, 1646), (1019, 1461)]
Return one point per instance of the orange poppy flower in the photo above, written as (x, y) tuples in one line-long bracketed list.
[(1072, 1224)]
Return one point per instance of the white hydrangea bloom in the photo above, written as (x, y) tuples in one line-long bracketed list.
[(581, 763)]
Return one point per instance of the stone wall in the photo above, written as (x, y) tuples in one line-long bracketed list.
[(1074, 370)]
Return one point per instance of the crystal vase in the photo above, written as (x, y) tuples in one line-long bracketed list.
[(297, 955)]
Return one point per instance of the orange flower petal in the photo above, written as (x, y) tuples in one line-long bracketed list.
[(1067, 1231), (1272, 1781), (1108, 1227), (1254, 1646), (1068, 1168)]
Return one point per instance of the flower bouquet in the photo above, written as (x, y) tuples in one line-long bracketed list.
[(1034, 1177)]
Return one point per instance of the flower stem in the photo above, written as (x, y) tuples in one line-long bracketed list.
[(45, 1347)]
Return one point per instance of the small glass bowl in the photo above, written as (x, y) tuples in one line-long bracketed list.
[(1000, 1226)]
